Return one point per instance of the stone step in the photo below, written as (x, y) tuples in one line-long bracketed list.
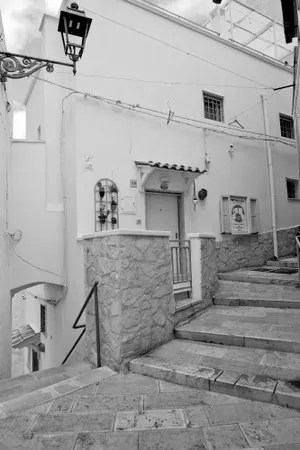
[(14, 387), (35, 398), (252, 276), (234, 293), (265, 328), (285, 262), (188, 308), (258, 375)]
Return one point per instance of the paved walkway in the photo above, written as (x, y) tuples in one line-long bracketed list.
[(132, 412)]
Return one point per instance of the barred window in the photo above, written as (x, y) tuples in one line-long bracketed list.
[(43, 319), (106, 205), (213, 107), (287, 126)]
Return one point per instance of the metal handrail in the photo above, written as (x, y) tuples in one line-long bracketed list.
[(94, 291)]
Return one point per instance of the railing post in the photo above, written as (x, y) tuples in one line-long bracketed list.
[(97, 325)]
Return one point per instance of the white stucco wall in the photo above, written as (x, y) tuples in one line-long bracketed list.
[(5, 299), (37, 256), (81, 126)]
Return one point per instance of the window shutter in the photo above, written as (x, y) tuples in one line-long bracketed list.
[(254, 215), (225, 217)]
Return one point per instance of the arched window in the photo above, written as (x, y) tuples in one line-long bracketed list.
[(106, 205)]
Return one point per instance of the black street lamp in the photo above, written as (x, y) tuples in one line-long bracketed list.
[(72, 22)]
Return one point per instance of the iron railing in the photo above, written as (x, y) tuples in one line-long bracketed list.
[(94, 291), (181, 261), (298, 256)]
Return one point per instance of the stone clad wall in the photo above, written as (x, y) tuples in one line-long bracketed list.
[(246, 251), (136, 300), (209, 272)]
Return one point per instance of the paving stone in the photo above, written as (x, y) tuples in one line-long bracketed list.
[(59, 423), (143, 420), (125, 402), (107, 440), (41, 409), (17, 424), (225, 382), (95, 375), (283, 447), (66, 387), (255, 388), (278, 412), (225, 437), (173, 400), (283, 374), (165, 386), (184, 439), (63, 404), (207, 398), (281, 360), (240, 412), (195, 417), (128, 384), (271, 432), (286, 395), (28, 401), (50, 442), (88, 390)]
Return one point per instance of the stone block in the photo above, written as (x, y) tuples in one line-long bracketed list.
[(287, 395), (239, 412), (126, 402), (225, 437), (76, 423), (107, 440), (257, 388), (143, 420), (17, 425), (172, 439)]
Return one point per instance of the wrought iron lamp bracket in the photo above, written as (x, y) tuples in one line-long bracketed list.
[(20, 66)]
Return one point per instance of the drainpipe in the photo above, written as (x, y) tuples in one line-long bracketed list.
[(271, 177)]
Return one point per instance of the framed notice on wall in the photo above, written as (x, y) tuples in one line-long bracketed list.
[(238, 212)]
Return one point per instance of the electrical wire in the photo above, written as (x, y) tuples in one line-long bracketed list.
[(176, 119), (34, 266), (176, 48), (172, 83), (251, 107)]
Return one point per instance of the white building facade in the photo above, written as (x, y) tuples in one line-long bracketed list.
[(172, 115)]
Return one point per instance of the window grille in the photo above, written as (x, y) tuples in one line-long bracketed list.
[(287, 127), (213, 107), (43, 318), (106, 205)]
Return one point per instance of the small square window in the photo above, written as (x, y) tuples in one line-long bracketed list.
[(213, 107), (43, 319), (292, 187), (287, 126)]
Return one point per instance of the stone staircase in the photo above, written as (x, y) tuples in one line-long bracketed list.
[(247, 345), (35, 389)]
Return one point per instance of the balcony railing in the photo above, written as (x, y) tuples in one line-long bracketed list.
[(181, 263)]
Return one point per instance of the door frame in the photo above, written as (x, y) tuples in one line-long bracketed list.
[(180, 209)]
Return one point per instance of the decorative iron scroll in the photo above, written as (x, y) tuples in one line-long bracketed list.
[(12, 66)]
